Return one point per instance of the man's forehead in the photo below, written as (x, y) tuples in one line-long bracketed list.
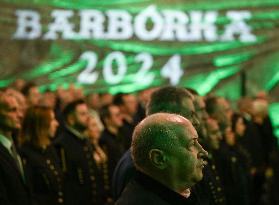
[(8, 101), (81, 107), (190, 131)]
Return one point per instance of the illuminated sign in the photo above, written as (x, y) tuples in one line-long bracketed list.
[(148, 25)]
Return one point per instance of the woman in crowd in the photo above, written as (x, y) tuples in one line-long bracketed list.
[(237, 184), (42, 170), (94, 132)]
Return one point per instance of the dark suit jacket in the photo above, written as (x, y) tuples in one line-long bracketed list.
[(123, 173), (13, 190), (144, 190)]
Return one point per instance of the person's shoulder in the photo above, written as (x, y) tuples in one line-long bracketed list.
[(134, 194)]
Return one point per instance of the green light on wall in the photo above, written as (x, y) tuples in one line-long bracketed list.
[(274, 115), (130, 88), (273, 81), (132, 4), (215, 77), (190, 49), (49, 66), (226, 60), (6, 82), (80, 64)]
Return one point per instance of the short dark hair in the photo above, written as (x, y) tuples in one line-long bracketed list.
[(70, 108), (25, 90), (118, 99), (211, 104), (167, 99)]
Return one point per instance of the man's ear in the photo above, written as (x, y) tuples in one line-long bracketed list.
[(158, 158)]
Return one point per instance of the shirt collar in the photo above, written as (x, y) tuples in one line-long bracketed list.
[(76, 133), (6, 142)]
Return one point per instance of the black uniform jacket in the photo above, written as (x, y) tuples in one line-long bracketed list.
[(43, 174), (13, 190), (144, 190), (81, 176)]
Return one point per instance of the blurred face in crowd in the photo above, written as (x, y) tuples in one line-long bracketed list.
[(80, 117), (33, 96), (94, 101), (106, 99), (201, 114), (20, 100), (130, 104), (260, 110), (188, 111), (223, 113), (93, 130), (239, 127), (53, 125), (213, 134), (229, 136), (115, 119), (10, 114), (187, 159), (48, 99)]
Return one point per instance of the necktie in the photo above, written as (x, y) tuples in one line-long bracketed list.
[(16, 158)]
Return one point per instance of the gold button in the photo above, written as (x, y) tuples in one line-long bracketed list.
[(217, 178), (219, 189), (52, 167), (48, 161), (233, 159), (60, 200), (213, 167), (92, 178)]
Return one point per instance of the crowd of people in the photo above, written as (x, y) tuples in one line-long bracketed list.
[(164, 145)]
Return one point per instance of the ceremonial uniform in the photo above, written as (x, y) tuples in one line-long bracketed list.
[(114, 147), (210, 191), (82, 180), (43, 174)]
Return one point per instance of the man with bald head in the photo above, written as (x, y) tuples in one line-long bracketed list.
[(169, 99), (168, 158)]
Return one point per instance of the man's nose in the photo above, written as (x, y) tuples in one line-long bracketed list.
[(202, 152)]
